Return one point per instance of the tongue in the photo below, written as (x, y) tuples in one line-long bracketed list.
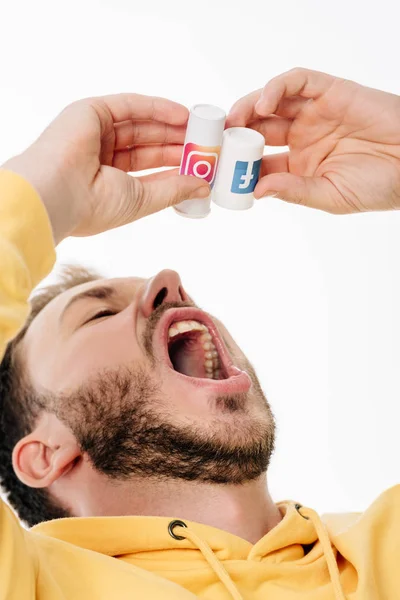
[(188, 358)]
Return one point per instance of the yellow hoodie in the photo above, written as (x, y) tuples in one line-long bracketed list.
[(354, 556)]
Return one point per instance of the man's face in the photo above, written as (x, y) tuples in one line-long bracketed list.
[(148, 383)]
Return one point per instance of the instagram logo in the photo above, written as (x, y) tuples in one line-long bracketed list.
[(200, 161)]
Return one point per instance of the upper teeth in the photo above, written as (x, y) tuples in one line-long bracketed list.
[(183, 326), (211, 363)]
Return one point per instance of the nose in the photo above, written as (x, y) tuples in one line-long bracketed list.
[(166, 286)]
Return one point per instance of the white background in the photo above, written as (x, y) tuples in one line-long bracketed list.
[(312, 298)]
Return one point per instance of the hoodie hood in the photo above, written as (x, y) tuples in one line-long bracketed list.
[(157, 543), (134, 535)]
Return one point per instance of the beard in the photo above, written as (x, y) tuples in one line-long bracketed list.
[(120, 420)]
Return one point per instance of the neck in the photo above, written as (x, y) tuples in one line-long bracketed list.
[(244, 510)]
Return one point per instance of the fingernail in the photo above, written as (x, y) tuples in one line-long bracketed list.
[(202, 192)]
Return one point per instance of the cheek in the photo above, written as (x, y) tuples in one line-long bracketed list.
[(85, 355)]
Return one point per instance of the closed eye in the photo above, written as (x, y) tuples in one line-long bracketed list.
[(102, 313)]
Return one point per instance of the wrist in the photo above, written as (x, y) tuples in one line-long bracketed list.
[(49, 182)]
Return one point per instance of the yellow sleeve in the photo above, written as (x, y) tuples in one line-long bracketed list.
[(27, 252), (18, 564), (26, 256)]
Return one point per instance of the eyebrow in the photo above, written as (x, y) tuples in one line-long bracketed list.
[(103, 292)]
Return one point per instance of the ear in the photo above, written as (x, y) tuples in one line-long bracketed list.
[(46, 454)]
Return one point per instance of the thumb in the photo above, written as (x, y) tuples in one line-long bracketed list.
[(163, 192), (117, 199), (315, 192)]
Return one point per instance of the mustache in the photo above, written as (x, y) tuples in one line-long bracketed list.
[(153, 321)]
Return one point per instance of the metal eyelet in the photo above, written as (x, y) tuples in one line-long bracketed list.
[(171, 527), (298, 507)]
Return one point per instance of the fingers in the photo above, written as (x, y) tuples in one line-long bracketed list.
[(285, 96), (125, 107), (297, 82), (291, 107), (315, 192), (275, 163), (274, 129), (288, 108), (129, 133), (243, 111), (140, 158)]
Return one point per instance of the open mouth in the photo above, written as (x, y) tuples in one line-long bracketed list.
[(192, 351), (189, 343)]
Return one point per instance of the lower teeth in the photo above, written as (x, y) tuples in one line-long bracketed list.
[(211, 363), (213, 373)]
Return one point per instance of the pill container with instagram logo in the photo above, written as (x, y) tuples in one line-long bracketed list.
[(239, 168), (201, 154)]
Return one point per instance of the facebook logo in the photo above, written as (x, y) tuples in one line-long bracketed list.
[(245, 176)]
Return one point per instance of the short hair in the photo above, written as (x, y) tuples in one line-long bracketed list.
[(20, 406)]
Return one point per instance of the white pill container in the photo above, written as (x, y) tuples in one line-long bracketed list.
[(201, 154), (239, 168)]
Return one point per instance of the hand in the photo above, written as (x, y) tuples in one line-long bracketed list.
[(343, 139), (79, 164)]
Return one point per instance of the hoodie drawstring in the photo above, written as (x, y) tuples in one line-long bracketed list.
[(323, 536), (223, 575), (215, 564)]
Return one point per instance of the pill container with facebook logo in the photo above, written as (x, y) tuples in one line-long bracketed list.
[(201, 154), (239, 168)]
